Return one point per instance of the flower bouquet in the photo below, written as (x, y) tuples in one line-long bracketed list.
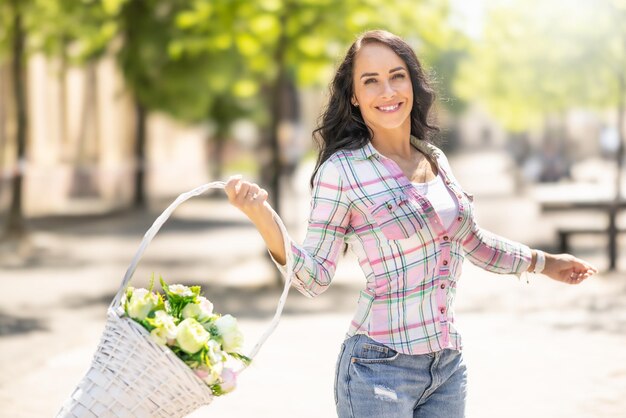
[(164, 356), (184, 321)]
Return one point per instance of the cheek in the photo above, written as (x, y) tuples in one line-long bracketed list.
[(367, 93), (407, 90)]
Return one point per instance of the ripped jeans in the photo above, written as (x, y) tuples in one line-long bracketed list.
[(373, 380)]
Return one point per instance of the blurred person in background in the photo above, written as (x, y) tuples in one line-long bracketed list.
[(383, 189)]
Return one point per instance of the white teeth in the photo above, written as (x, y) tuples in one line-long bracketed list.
[(389, 108)]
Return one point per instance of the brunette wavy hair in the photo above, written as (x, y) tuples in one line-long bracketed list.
[(341, 125)]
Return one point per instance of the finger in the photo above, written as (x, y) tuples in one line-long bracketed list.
[(253, 191), (262, 195), (232, 185), (244, 186), (579, 276), (573, 278), (587, 266)]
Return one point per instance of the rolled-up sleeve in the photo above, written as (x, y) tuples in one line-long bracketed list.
[(315, 260)]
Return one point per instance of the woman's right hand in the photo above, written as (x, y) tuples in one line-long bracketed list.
[(247, 197)]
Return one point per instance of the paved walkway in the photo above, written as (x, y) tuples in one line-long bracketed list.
[(542, 350)]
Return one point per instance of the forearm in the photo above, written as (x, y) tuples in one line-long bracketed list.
[(272, 235)]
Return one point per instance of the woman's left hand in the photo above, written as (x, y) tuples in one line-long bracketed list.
[(567, 269)]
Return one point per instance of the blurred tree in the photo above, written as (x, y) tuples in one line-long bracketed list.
[(49, 26), (280, 44), (537, 58), (164, 76)]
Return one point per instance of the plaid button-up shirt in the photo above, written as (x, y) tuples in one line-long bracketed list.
[(411, 261)]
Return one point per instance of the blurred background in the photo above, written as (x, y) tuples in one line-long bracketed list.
[(111, 108)]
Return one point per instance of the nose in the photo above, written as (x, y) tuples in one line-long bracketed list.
[(388, 90)]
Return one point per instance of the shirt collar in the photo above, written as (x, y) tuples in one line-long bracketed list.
[(368, 150)]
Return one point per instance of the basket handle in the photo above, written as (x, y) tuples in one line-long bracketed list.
[(149, 235)]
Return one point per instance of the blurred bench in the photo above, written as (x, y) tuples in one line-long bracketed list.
[(610, 208), (565, 234)]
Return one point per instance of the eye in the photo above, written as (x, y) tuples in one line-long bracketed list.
[(398, 76), (369, 81)]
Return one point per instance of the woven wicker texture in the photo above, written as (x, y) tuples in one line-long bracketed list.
[(133, 377)]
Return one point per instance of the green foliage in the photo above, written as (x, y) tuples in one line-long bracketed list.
[(538, 57), (177, 300), (218, 59), (249, 43), (78, 30)]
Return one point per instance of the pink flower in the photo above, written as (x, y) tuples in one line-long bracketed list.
[(229, 380), (207, 375)]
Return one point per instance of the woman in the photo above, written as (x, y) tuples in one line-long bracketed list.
[(380, 187)]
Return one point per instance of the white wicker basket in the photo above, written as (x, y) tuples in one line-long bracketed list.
[(132, 376)]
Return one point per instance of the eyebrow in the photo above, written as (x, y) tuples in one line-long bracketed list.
[(393, 70)]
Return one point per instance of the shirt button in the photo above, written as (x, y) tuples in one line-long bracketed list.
[(443, 310), (443, 286), (445, 238), (445, 262), (448, 182), (460, 218), (389, 206)]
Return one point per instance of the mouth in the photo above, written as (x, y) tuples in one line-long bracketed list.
[(390, 108)]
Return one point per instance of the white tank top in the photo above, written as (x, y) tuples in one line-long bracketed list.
[(440, 198)]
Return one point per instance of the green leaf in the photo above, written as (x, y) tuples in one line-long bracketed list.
[(244, 359)]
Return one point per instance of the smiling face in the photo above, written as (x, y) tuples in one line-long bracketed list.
[(382, 89)]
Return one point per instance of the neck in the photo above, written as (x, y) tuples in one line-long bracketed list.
[(391, 142)]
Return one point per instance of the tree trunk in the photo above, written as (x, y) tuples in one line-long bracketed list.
[(273, 170), (139, 200), (15, 225), (3, 127)]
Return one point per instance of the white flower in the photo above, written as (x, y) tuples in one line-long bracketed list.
[(202, 310), (141, 303), (191, 336), (180, 290), (165, 331), (232, 338)]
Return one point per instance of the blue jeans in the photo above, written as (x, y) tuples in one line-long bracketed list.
[(373, 380)]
